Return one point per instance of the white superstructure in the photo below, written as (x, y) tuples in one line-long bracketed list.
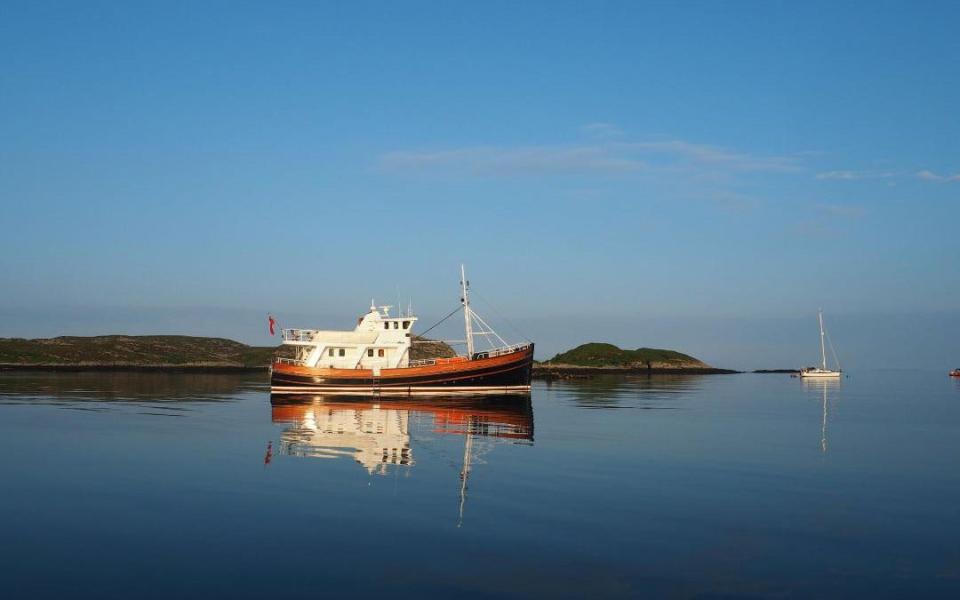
[(379, 341)]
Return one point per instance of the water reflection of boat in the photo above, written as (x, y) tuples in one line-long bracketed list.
[(823, 385), (374, 437), (375, 431)]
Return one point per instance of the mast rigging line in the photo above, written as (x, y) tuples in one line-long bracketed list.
[(500, 316), (453, 312), (486, 331), (832, 351)]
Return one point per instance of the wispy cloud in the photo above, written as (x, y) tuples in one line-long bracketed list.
[(598, 157), (604, 131), (840, 210), (931, 176), (855, 175), (528, 160), (716, 156)]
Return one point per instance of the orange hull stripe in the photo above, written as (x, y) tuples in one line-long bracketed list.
[(450, 368)]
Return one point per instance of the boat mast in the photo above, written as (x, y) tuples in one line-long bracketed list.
[(467, 313), (823, 349)]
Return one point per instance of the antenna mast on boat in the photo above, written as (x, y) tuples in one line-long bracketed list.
[(467, 315), (823, 349)]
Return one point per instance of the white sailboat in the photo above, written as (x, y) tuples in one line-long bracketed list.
[(822, 371)]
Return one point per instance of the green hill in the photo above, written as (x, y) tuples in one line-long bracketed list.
[(158, 351), (596, 354), (134, 350)]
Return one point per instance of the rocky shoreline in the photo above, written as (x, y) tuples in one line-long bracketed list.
[(548, 372)]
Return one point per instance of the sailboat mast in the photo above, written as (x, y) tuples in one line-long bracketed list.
[(823, 349), (823, 429), (467, 314)]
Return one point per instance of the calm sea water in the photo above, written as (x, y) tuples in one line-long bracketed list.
[(154, 485)]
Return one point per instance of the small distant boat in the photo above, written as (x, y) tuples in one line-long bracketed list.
[(955, 373), (822, 371)]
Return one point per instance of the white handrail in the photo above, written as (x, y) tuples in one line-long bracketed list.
[(299, 335), (289, 361), (484, 354)]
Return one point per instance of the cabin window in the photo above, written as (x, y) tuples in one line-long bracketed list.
[(369, 351), (330, 352), (396, 325), (380, 352), (386, 325), (406, 324), (342, 352)]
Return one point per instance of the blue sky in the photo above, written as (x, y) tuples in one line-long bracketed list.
[(591, 162)]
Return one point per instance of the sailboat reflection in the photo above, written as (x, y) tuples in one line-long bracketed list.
[(376, 432), (822, 385)]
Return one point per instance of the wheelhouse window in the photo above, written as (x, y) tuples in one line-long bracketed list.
[(386, 324), (406, 324), (330, 352), (343, 352), (380, 352), (396, 325), (369, 351)]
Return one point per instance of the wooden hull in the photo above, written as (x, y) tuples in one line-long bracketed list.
[(504, 374)]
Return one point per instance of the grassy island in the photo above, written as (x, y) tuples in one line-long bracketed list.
[(596, 357), (156, 352), (199, 354), (597, 354)]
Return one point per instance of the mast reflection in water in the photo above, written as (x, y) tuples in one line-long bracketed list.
[(821, 386), (375, 431)]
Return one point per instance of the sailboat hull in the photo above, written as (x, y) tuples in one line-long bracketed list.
[(820, 374)]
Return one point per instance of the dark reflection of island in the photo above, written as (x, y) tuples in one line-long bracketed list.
[(642, 391), (119, 386), (375, 432), (822, 386)]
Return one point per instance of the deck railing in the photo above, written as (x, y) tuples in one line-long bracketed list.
[(500, 351), (483, 354), (288, 361), (299, 335), (423, 362)]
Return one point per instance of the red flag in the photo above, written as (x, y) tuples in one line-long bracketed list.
[(272, 322)]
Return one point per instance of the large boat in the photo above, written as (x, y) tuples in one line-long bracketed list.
[(822, 371), (375, 358)]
